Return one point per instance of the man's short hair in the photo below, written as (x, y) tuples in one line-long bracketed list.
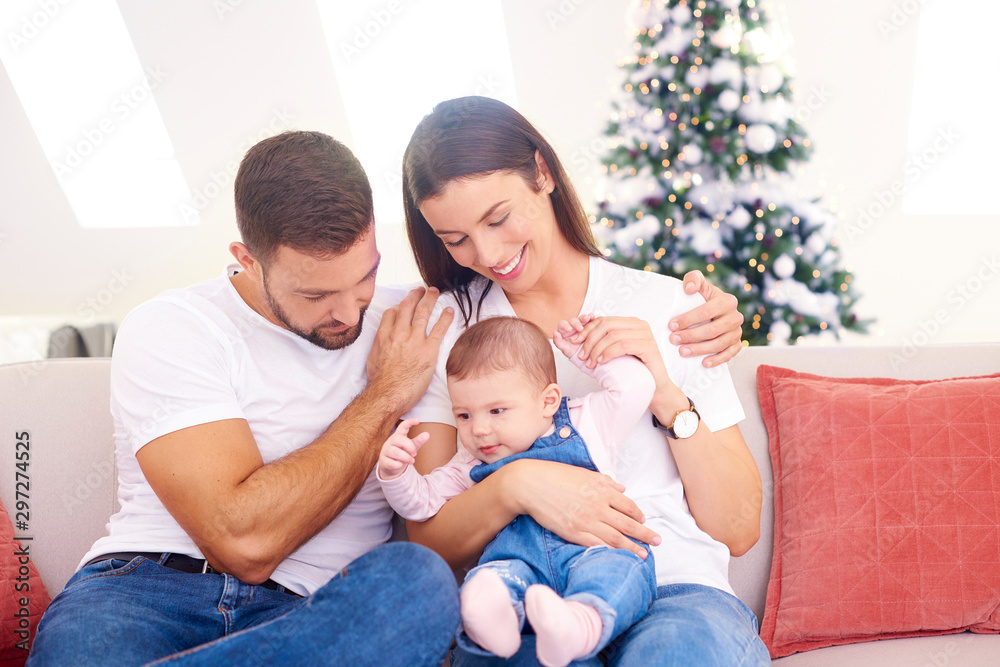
[(304, 190), (503, 344)]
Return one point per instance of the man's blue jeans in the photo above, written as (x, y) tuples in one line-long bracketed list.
[(396, 605), (687, 625)]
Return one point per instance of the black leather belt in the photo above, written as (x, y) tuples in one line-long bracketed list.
[(182, 563)]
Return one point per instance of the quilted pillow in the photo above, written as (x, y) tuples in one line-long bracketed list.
[(23, 597), (886, 508)]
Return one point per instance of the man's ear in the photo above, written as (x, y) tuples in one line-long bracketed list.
[(551, 397), (546, 183), (253, 269)]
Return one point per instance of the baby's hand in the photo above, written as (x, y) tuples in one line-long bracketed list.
[(569, 335), (399, 450)]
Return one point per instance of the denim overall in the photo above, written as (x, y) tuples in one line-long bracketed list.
[(616, 582)]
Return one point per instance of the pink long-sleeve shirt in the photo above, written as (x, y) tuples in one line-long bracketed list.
[(602, 418)]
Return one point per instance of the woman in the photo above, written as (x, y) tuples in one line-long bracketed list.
[(495, 223)]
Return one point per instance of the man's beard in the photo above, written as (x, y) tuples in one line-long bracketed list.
[(320, 336)]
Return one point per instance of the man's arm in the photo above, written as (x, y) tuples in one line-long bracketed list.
[(245, 516)]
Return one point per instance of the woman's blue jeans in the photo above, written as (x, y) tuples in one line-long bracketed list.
[(396, 605), (687, 625)]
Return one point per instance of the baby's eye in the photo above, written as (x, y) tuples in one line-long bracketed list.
[(496, 411), (464, 416)]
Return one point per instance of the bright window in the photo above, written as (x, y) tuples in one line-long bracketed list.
[(92, 108), (953, 143), (396, 59)]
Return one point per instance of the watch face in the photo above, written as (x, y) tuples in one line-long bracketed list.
[(685, 424)]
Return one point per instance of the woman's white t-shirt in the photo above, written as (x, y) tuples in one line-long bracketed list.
[(645, 465)]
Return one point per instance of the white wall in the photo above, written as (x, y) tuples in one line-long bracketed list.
[(918, 273), (265, 67)]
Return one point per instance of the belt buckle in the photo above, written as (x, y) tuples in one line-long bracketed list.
[(204, 566)]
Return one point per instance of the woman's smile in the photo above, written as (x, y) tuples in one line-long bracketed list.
[(512, 269)]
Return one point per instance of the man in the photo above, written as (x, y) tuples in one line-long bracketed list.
[(248, 416)]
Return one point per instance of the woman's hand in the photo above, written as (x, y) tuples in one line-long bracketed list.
[(710, 329), (606, 338), (579, 505)]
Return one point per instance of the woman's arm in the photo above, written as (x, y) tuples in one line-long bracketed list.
[(721, 481), (712, 328), (722, 485), (581, 506)]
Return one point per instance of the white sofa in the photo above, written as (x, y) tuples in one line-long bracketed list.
[(63, 405)]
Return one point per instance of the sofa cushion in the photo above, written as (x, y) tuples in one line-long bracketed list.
[(24, 597), (887, 508), (62, 405)]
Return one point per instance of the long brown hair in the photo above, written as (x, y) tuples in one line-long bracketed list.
[(471, 136)]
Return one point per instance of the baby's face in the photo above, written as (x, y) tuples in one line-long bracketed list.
[(498, 414)]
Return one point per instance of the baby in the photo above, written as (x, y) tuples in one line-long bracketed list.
[(507, 405)]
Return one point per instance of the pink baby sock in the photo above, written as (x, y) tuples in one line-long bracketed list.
[(488, 614), (565, 630)]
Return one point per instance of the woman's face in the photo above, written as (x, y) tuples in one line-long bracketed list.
[(496, 225)]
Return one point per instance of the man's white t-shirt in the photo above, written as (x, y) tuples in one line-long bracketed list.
[(644, 463), (200, 354)]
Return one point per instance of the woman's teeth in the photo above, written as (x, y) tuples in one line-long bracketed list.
[(504, 270)]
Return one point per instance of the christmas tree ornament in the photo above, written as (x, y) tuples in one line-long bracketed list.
[(769, 77), (726, 72), (692, 154), (739, 218), (780, 332), (761, 138), (784, 267), (725, 38)]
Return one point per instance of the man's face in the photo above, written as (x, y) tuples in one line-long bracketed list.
[(322, 300)]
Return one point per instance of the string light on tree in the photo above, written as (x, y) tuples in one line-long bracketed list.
[(704, 142)]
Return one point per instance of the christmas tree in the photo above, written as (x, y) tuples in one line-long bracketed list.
[(702, 143)]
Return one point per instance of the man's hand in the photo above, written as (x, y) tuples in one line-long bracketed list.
[(399, 450), (710, 329), (402, 359), (246, 516)]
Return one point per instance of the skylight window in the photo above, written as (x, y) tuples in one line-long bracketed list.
[(952, 147), (91, 105), (395, 60)]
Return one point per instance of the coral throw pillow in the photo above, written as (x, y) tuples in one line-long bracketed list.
[(23, 597), (886, 508)]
